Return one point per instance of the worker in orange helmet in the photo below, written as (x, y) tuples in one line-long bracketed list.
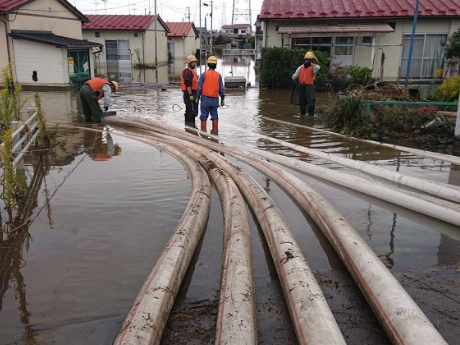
[(306, 78), (189, 84), (91, 92), (210, 87)]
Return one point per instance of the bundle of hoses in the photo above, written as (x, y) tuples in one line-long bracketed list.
[(403, 321)]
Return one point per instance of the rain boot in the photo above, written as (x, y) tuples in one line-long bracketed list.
[(215, 127), (203, 126)]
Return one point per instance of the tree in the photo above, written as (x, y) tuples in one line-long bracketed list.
[(452, 47)]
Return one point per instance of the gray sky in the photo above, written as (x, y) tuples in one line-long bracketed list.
[(176, 11)]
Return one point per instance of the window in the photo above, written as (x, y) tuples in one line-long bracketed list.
[(343, 46), (97, 34), (427, 55), (243, 31), (136, 34), (367, 39)]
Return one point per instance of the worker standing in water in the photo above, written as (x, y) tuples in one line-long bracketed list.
[(306, 79), (210, 87), (189, 84), (92, 91)]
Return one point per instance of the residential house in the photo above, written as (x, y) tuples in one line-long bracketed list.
[(182, 41), (135, 47), (43, 39), (237, 29), (374, 34)]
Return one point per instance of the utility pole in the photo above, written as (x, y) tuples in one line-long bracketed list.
[(414, 25), (188, 13), (156, 44), (105, 6)]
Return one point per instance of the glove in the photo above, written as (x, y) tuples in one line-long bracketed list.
[(192, 98), (222, 103), (106, 108)]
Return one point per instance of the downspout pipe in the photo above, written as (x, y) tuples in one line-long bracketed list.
[(149, 313), (402, 319), (311, 316), (412, 38)]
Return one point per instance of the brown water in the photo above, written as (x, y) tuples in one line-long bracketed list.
[(73, 275)]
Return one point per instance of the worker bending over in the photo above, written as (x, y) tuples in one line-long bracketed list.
[(189, 83), (306, 75), (92, 91), (210, 87)]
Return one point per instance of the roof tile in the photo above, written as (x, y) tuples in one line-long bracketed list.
[(280, 9), (180, 29), (118, 22)]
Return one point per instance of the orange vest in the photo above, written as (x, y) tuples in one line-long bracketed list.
[(306, 76), (96, 84), (211, 83), (194, 79)]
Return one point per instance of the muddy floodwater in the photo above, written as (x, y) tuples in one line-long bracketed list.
[(105, 207)]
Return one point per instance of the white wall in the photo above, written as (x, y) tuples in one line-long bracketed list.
[(3, 51), (49, 62), (47, 15), (183, 46)]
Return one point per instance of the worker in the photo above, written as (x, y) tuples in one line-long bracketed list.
[(210, 87), (189, 83), (92, 91), (306, 79)]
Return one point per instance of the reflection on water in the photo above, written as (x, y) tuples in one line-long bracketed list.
[(71, 273)]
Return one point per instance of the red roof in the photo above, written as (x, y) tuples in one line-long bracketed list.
[(119, 22), (181, 29), (236, 26), (314, 9), (11, 5)]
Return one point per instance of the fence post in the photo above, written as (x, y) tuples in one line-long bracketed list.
[(368, 111)]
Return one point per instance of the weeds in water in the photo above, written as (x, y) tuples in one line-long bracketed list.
[(10, 107), (347, 116)]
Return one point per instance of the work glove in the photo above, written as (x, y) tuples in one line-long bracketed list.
[(222, 103), (106, 108), (191, 98)]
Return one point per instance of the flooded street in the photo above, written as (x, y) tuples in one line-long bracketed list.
[(106, 206)]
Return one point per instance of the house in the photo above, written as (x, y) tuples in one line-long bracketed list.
[(237, 29), (135, 47), (374, 34), (183, 38), (43, 39)]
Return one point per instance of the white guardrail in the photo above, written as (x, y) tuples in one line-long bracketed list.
[(23, 136), (238, 52)]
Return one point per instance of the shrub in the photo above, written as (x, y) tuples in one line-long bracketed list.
[(359, 75), (448, 91), (279, 64)]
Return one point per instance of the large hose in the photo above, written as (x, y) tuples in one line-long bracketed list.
[(311, 316), (439, 189), (401, 318), (423, 153), (147, 317)]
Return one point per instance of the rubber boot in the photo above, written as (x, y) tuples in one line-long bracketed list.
[(215, 127), (203, 126)]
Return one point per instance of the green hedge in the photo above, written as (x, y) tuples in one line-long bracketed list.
[(279, 64)]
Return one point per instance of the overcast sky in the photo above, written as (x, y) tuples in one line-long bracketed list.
[(176, 10)]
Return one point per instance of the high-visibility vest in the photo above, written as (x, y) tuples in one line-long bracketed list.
[(306, 76), (194, 79), (211, 83), (96, 84)]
